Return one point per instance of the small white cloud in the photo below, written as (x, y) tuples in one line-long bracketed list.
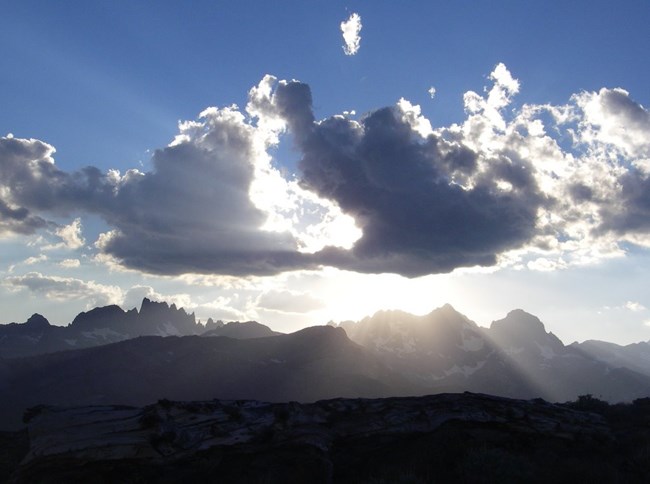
[(634, 306), (70, 235), (70, 263), (30, 261), (432, 92), (351, 29)]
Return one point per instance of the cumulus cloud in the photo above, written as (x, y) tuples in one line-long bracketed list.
[(401, 188), (536, 186), (191, 213), (432, 92), (351, 30), (71, 235)]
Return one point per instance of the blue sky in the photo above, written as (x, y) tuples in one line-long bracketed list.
[(107, 84)]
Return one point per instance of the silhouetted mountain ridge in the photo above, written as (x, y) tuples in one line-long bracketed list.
[(390, 353), (514, 357), (110, 324)]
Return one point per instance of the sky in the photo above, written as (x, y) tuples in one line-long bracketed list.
[(323, 160)]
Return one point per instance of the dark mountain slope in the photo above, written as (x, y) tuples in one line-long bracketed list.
[(311, 364), (243, 330)]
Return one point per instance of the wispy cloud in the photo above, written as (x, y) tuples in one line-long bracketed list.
[(351, 30), (66, 288), (289, 301)]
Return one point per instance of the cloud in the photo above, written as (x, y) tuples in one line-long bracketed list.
[(71, 235), (432, 92), (635, 306), (289, 302), (70, 263), (611, 117), (400, 188), (66, 288), (19, 220), (191, 213), (30, 261), (351, 28), (537, 186)]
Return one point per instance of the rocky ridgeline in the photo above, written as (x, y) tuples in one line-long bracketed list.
[(111, 324), (340, 440)]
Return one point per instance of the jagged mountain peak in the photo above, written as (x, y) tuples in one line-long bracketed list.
[(151, 306), (110, 324)]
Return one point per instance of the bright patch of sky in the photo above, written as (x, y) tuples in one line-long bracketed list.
[(158, 153)]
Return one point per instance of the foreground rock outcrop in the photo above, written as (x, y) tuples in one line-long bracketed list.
[(445, 438)]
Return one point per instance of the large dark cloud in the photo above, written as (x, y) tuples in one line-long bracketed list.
[(427, 202), (193, 213), (631, 213), (190, 213), (400, 189)]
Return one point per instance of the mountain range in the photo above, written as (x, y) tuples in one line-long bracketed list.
[(111, 356), (110, 324)]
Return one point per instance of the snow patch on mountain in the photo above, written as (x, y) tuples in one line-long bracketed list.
[(471, 342), (513, 350), (168, 329), (103, 333), (464, 370)]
